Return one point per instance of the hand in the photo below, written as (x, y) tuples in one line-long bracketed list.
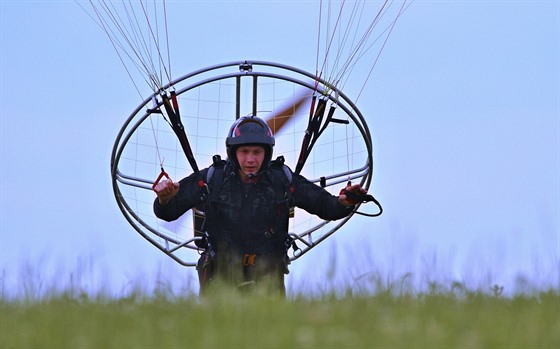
[(166, 190), (356, 189)]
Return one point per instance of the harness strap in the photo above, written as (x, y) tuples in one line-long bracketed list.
[(314, 122), (178, 128)]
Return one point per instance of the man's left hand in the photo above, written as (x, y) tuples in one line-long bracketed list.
[(348, 202)]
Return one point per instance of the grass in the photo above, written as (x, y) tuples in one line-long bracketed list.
[(378, 311), (229, 320)]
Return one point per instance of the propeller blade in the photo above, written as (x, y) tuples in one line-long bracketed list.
[(279, 118)]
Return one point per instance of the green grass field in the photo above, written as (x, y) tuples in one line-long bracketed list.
[(228, 320)]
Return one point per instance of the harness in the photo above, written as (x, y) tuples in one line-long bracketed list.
[(211, 185)]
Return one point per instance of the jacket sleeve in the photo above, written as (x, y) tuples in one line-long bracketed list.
[(317, 200), (188, 196)]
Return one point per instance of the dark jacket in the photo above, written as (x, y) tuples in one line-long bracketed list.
[(247, 224)]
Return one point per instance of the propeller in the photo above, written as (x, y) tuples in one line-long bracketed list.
[(280, 118)]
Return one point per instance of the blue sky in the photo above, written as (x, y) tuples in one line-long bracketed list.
[(463, 106)]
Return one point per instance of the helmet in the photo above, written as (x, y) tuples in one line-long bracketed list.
[(250, 130)]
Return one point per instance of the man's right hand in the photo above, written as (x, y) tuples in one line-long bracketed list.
[(166, 190)]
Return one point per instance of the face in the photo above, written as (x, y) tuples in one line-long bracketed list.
[(250, 159)]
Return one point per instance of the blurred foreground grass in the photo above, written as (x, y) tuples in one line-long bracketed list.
[(228, 320)]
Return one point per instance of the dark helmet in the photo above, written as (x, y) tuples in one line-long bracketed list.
[(250, 130)]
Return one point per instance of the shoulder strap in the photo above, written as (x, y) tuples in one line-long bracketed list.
[(279, 163), (217, 164), (287, 177), (215, 176)]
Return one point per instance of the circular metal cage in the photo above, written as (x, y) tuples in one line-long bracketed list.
[(209, 100)]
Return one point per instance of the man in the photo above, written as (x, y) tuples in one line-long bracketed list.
[(247, 209)]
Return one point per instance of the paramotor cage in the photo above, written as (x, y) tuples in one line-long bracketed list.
[(329, 147)]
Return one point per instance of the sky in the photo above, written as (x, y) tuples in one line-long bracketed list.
[(463, 106)]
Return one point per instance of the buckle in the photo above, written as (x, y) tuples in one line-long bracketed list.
[(249, 260)]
